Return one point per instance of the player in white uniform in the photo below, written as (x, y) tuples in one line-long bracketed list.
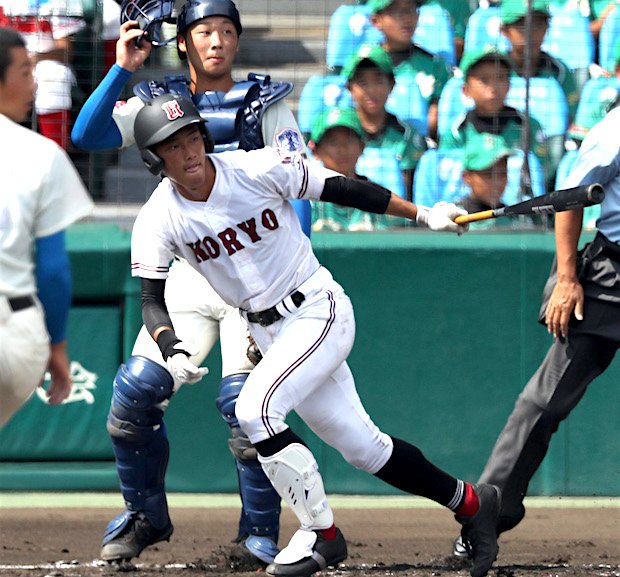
[(228, 215), (38, 201), (208, 37)]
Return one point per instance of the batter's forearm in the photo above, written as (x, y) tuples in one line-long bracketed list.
[(402, 208), (155, 316)]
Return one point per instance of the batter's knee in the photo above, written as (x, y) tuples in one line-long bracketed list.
[(251, 419), (369, 455), (140, 386)]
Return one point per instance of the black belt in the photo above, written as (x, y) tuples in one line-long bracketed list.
[(270, 316), (19, 303)]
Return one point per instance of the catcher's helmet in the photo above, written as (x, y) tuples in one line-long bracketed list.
[(159, 119), (194, 10), (150, 15)]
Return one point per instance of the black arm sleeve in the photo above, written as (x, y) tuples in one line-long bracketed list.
[(155, 315), (363, 194)]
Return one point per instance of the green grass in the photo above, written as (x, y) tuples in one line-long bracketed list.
[(185, 500)]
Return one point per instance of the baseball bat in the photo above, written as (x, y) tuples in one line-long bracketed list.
[(555, 201)]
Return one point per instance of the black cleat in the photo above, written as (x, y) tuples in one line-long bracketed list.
[(480, 531), (325, 552), (505, 522), (134, 538)]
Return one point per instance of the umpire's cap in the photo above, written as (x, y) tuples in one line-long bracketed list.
[(159, 119), (194, 10)]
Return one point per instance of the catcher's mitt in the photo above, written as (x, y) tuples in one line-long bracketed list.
[(253, 353)]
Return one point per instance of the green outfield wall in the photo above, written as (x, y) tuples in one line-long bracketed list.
[(446, 338)]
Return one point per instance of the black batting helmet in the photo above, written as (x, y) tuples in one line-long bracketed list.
[(159, 119)]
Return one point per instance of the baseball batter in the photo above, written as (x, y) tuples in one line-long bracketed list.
[(246, 115), (228, 215), (38, 201)]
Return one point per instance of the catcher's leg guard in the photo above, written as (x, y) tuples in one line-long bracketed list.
[(260, 513), (138, 433)]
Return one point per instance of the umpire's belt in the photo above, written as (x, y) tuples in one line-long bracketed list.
[(19, 303), (270, 316)]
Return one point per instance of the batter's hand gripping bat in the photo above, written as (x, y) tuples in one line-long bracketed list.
[(555, 201)]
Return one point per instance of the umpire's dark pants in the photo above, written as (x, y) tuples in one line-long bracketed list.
[(548, 398)]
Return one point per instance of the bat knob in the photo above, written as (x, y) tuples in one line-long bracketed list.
[(596, 193)]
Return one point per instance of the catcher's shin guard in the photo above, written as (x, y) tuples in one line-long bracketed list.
[(139, 437), (260, 514)]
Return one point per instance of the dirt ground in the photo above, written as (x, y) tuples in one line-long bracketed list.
[(381, 542)]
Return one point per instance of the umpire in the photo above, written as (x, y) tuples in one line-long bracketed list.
[(581, 309)]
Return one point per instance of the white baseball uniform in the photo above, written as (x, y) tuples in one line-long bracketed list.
[(39, 199), (247, 241), (197, 311)]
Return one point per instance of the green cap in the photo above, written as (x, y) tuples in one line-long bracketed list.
[(487, 52), (483, 150), (512, 10), (373, 52), (333, 117), (378, 5)]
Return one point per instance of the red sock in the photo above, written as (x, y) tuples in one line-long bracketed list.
[(330, 533), (470, 504)]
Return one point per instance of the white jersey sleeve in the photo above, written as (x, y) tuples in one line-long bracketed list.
[(43, 195), (280, 130), (63, 199), (124, 115), (291, 176), (152, 244)]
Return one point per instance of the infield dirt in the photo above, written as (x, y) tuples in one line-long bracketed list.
[(382, 542)]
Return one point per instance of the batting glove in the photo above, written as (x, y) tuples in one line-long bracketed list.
[(441, 217), (181, 368)]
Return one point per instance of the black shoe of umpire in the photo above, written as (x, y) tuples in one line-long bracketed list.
[(325, 552), (480, 531), (134, 538)]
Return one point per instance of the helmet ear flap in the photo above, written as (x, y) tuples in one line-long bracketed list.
[(153, 162)]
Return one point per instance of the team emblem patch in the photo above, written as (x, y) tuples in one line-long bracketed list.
[(289, 140), (172, 109)]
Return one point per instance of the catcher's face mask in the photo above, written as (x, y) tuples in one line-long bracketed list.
[(150, 15)]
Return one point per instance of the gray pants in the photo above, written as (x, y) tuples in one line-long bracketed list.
[(548, 398)]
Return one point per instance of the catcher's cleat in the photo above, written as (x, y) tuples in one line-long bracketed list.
[(480, 531), (262, 547), (136, 536), (325, 552)]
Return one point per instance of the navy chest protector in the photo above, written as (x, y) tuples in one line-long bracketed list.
[(233, 117)]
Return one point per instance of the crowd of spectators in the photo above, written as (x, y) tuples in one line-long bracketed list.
[(412, 95), (515, 88)]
